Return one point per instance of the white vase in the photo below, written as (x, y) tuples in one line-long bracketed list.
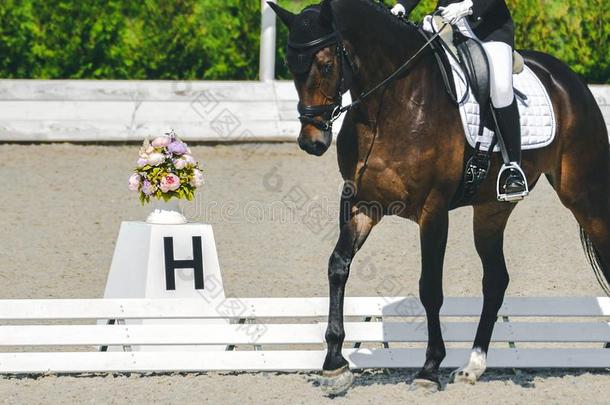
[(166, 213)]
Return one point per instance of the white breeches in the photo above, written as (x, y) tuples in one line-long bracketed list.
[(500, 56)]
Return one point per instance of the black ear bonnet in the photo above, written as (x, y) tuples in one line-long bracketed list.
[(308, 35)]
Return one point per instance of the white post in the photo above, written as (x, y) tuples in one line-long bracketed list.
[(266, 71)]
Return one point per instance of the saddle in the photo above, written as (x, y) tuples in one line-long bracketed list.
[(471, 56), (476, 67)]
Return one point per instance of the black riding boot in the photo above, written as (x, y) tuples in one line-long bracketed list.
[(509, 125)]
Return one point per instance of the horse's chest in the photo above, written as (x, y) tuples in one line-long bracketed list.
[(385, 185)]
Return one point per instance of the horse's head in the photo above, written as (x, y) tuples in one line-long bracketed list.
[(315, 56)]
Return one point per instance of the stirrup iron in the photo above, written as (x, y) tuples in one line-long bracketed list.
[(514, 197)]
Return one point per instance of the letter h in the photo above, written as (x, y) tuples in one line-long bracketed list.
[(172, 264)]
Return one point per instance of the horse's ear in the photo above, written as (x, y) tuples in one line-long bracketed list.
[(286, 16), (326, 12)]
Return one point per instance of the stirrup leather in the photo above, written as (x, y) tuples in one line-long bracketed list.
[(503, 196)]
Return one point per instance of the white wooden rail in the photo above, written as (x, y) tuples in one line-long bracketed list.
[(402, 323), (266, 71), (118, 111)]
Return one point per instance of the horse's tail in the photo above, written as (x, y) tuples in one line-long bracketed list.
[(600, 268)]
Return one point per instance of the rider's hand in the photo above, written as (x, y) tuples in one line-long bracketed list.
[(453, 12), (399, 9)]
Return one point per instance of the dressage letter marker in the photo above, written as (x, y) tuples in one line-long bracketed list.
[(171, 264), (166, 261)]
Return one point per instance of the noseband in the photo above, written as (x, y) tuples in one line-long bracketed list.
[(300, 57)]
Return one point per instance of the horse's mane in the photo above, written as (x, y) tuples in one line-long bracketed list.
[(386, 40), (377, 13)]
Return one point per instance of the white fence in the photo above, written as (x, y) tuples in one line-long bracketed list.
[(396, 340), (129, 110), (266, 71), (118, 111)]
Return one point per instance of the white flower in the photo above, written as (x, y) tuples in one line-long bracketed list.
[(189, 159), (155, 159), (197, 179), (180, 164), (142, 161)]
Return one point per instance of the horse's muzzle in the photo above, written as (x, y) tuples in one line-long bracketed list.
[(314, 141)]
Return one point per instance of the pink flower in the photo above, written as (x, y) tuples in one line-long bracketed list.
[(197, 179), (171, 182), (142, 161), (161, 141), (134, 182)]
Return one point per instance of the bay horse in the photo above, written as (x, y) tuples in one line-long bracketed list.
[(401, 151)]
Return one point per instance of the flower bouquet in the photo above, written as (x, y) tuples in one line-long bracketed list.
[(166, 170)]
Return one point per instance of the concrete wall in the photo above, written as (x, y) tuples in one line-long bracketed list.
[(102, 111)]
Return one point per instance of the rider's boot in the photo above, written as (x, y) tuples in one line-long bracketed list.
[(514, 187)]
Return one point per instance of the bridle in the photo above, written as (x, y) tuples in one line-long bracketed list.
[(297, 53), (328, 112)]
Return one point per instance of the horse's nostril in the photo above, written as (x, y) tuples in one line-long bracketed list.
[(304, 143), (319, 145), (318, 148)]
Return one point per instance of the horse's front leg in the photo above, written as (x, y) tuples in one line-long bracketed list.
[(354, 231), (433, 238)]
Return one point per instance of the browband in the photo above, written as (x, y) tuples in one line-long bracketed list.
[(326, 38)]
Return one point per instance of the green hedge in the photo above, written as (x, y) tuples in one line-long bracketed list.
[(575, 31), (122, 39), (218, 39)]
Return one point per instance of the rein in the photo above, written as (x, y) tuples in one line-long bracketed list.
[(363, 96), (331, 112)]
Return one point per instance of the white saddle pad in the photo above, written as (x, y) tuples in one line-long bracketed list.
[(538, 123)]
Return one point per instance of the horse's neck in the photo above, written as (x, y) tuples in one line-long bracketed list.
[(377, 60), (379, 43), (376, 64)]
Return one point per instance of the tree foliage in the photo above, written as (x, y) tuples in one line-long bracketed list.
[(219, 39)]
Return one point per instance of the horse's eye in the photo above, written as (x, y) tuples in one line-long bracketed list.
[(327, 69)]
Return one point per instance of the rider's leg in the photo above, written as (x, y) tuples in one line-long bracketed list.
[(500, 57)]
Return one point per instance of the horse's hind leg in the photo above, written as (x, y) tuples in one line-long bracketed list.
[(583, 186), (433, 225), (489, 223)]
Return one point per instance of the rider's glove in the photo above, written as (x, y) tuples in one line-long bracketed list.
[(399, 9), (453, 12)]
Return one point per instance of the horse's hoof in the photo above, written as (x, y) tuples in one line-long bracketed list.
[(471, 372), (463, 376), (421, 384), (336, 382)]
